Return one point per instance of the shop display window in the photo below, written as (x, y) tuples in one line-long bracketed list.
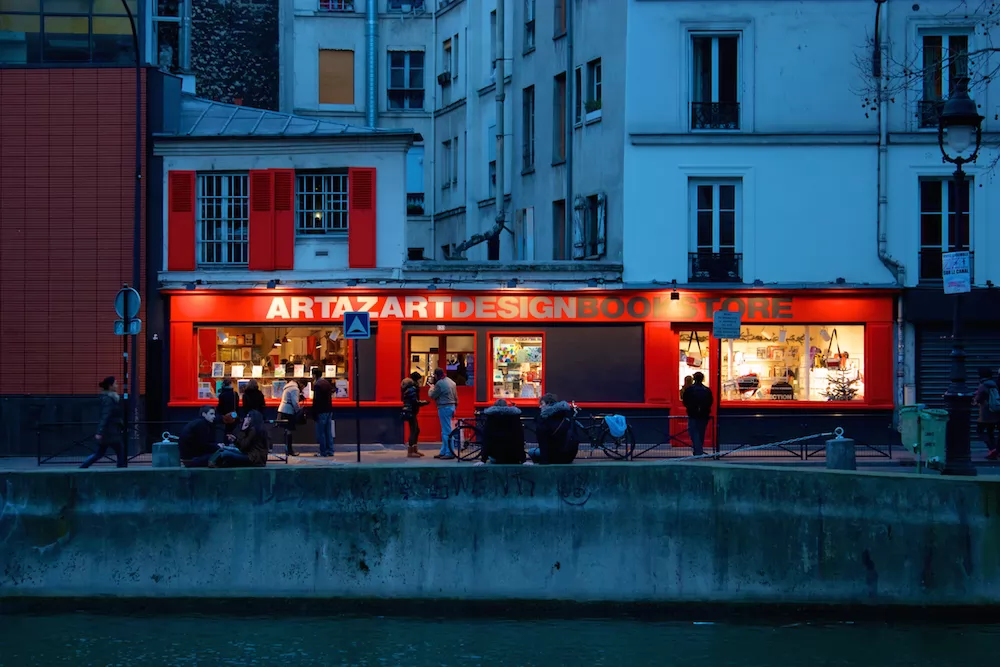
[(694, 358), (818, 362), (458, 352), (272, 357), (517, 366)]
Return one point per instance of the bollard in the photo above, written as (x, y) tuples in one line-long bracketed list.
[(166, 453), (840, 452)]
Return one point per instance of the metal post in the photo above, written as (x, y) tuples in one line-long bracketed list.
[(357, 399), (499, 62), (133, 377), (958, 398), (123, 450)]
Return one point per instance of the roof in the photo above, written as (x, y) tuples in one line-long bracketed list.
[(205, 118)]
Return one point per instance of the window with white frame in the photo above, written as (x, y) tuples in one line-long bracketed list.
[(944, 223), (223, 219), (593, 103), (406, 80), (336, 5), (715, 230), (715, 82), (945, 62), (491, 142), (528, 129), (529, 25), (321, 202)]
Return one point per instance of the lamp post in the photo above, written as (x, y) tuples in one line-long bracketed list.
[(959, 127)]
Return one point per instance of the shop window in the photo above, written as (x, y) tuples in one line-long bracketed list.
[(517, 366), (223, 219), (818, 362), (272, 356), (321, 202), (456, 353)]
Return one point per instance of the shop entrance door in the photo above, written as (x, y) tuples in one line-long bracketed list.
[(454, 352), (697, 354)]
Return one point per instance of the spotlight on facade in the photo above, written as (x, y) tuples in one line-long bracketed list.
[(432, 286), (512, 283), (674, 295), (592, 282), (758, 283), (841, 281), (190, 286), (352, 283), (271, 284)]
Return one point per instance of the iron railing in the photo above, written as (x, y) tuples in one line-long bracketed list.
[(415, 203), (715, 115), (931, 269), (336, 5), (715, 267)]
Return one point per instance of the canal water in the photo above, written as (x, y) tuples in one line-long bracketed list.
[(85, 639)]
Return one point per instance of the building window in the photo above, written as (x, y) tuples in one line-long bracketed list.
[(321, 202), (406, 80), (404, 6), (528, 121), (529, 25), (491, 142), (336, 77), (593, 104), (945, 65), (941, 228), (715, 231), (578, 96), (336, 5), (594, 225), (817, 362), (524, 234), (493, 44), (455, 354), (559, 19), (65, 31), (560, 231), (223, 219), (559, 119), (517, 366), (715, 103), (415, 181), (447, 158), (270, 356)]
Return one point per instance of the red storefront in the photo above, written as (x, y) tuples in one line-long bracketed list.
[(621, 350)]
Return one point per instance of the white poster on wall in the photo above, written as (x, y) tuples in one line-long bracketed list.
[(956, 270)]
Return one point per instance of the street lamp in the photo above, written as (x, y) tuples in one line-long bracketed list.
[(958, 127)]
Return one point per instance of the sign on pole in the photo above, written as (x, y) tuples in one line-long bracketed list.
[(134, 327), (357, 325), (132, 303), (957, 273), (726, 324)]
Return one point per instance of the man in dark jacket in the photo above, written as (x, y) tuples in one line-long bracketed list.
[(988, 421), (322, 412), (556, 430), (503, 435), (698, 400), (197, 442), (228, 407)]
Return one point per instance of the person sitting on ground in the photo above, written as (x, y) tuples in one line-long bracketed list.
[(556, 432), (251, 447), (503, 435), (197, 441)]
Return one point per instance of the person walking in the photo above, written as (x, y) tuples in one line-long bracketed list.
[(410, 395), (322, 412), (109, 425), (698, 401), (288, 413), (445, 394), (988, 419)]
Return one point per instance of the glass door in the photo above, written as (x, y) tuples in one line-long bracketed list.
[(697, 354), (456, 354)]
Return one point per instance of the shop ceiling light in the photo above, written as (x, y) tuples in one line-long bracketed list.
[(286, 339), (223, 336), (277, 343)]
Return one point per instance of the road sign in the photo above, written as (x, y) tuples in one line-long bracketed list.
[(956, 271), (357, 325), (726, 324), (134, 301), (134, 327)]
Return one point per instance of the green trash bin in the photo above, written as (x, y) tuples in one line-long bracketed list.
[(933, 424), (909, 426)]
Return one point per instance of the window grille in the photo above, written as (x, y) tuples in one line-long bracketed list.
[(321, 203), (223, 219)]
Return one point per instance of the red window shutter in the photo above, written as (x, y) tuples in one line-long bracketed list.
[(284, 218), (261, 221), (361, 239), (180, 221)]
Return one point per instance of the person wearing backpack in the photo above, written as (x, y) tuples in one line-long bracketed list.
[(988, 400)]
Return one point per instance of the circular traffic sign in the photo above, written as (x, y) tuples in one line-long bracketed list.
[(134, 301)]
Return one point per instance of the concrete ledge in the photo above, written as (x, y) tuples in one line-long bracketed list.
[(677, 534)]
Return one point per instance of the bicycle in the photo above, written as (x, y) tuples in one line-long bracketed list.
[(620, 448), (465, 442)]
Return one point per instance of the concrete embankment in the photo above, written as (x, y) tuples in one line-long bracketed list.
[(671, 533)]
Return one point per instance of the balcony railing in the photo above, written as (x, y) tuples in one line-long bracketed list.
[(336, 5), (715, 267), (405, 5), (715, 115), (931, 268), (929, 111), (415, 203)]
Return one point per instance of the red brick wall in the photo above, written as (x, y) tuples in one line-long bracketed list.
[(67, 156)]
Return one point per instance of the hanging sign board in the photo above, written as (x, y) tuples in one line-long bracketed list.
[(726, 324), (956, 270)]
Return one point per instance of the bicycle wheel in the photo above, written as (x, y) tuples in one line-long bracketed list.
[(620, 449), (466, 442)]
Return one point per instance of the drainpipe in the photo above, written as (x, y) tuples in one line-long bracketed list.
[(371, 81), (570, 83), (430, 156), (500, 97), (184, 57)]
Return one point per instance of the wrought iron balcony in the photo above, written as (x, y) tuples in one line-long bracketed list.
[(405, 5), (336, 5), (715, 267), (715, 115), (931, 270), (415, 203), (929, 112)]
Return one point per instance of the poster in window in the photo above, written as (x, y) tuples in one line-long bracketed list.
[(299, 371), (279, 371), (342, 389), (218, 369), (237, 370), (257, 371), (330, 371)]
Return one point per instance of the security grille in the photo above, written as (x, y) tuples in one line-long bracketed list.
[(223, 219), (321, 203)]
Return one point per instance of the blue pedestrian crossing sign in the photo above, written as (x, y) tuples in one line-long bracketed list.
[(357, 325)]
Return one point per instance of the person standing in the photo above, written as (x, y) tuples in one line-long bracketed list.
[(109, 425), (229, 406), (988, 420), (253, 398), (410, 395), (445, 394), (698, 401), (322, 412), (288, 413)]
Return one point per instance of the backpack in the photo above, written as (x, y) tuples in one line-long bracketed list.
[(994, 402)]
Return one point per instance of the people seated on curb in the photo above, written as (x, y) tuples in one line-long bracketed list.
[(503, 435), (197, 442), (251, 447), (556, 430)]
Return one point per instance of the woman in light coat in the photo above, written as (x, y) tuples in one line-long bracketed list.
[(288, 413)]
